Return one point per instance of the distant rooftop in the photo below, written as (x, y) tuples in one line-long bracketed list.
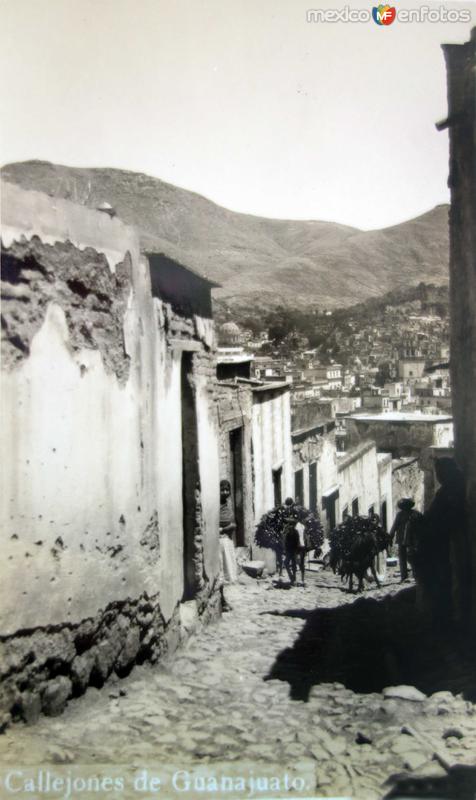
[(163, 254), (271, 386), (233, 358), (403, 416), (440, 365)]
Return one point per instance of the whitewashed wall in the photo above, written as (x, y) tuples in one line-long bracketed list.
[(272, 448), (91, 496)]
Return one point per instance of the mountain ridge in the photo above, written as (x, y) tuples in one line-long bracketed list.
[(259, 260)]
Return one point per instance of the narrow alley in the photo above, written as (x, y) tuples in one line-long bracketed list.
[(291, 684)]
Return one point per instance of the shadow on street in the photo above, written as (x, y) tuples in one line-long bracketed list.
[(369, 644), (460, 783)]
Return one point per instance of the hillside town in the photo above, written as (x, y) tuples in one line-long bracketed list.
[(399, 357), (394, 377), (186, 502)]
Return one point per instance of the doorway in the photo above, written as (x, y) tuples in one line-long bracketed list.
[(236, 463), (383, 515), (190, 476)]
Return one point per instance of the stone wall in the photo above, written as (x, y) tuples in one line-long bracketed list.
[(401, 437), (408, 481), (461, 70), (358, 476), (311, 412), (92, 396), (319, 448)]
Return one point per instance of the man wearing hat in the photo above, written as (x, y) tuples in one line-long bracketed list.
[(399, 532)]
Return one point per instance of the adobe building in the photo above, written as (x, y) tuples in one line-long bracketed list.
[(335, 482), (235, 416), (272, 448), (461, 123), (254, 419), (411, 364), (313, 443), (413, 439), (408, 480), (401, 433), (365, 482), (110, 465)]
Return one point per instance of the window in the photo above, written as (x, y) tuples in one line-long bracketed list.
[(383, 514), (277, 475), (355, 507), (313, 486), (345, 513), (329, 503), (299, 487), (331, 512)]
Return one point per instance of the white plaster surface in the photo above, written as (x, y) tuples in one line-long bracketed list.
[(360, 479), (272, 448), (87, 462), (27, 213)]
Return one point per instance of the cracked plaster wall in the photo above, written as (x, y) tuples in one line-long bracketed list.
[(91, 428)]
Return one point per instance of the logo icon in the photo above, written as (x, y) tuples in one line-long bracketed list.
[(384, 15)]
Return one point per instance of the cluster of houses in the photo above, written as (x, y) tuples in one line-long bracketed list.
[(400, 359)]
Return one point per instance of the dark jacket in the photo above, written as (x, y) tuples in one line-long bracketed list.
[(291, 539)]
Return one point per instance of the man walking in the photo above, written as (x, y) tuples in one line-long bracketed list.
[(291, 548)]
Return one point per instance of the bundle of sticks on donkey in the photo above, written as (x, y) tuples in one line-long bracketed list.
[(354, 546), (291, 531)]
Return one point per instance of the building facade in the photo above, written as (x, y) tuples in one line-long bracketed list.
[(110, 451), (461, 81)]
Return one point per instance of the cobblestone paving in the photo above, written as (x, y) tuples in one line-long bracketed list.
[(211, 705)]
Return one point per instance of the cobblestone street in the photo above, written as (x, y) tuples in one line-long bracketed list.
[(254, 691)]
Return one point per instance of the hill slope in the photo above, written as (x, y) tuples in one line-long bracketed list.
[(257, 260)]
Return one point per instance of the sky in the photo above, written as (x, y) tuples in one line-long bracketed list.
[(244, 102)]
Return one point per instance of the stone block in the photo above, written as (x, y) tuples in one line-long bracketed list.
[(189, 619), (129, 652), (81, 669), (55, 696), (403, 692), (14, 655), (106, 652), (253, 568), (30, 705), (414, 760), (457, 733)]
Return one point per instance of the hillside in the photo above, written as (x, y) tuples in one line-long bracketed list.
[(260, 262)]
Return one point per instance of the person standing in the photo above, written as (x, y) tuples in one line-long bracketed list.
[(398, 532), (441, 549), (303, 542), (227, 527)]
